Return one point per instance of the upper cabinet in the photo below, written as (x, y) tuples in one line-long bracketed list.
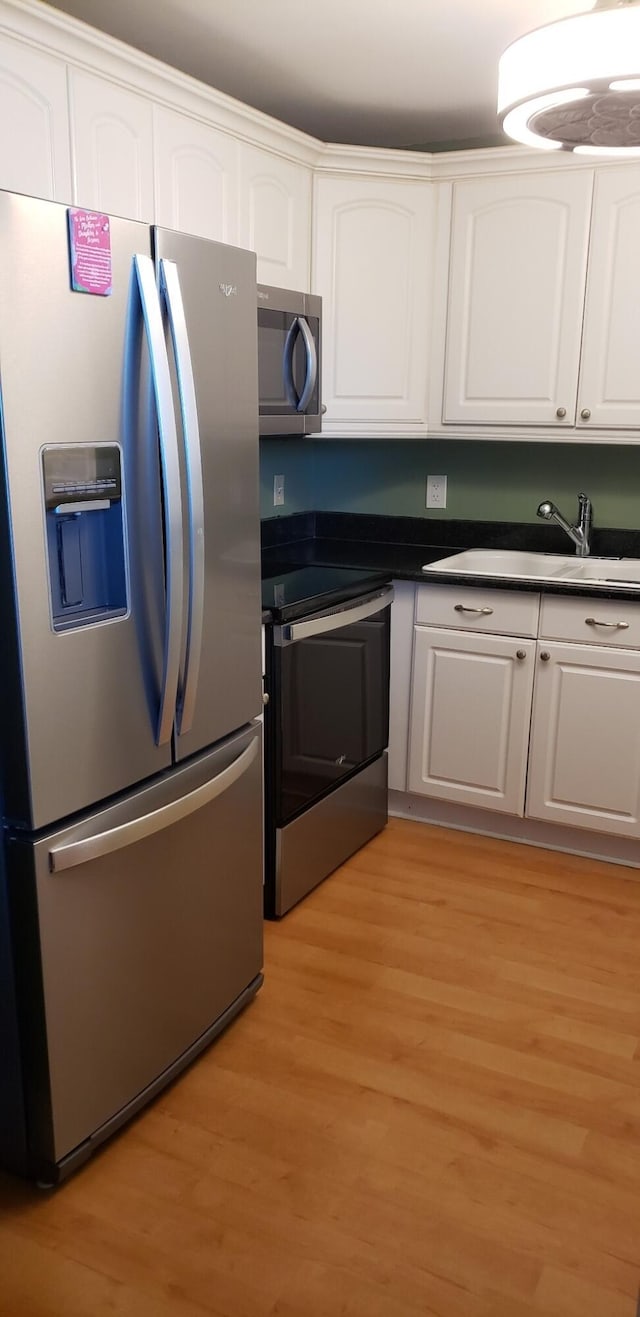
[(196, 172), (371, 264), (275, 217), (609, 390), (112, 133), (543, 309), (34, 144), (517, 268)]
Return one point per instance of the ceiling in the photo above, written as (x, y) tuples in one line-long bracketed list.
[(390, 73)]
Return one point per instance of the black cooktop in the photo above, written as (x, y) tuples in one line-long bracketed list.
[(290, 592)]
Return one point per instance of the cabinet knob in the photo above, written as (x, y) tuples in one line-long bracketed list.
[(323, 408), (265, 697), (545, 656), (561, 413), (585, 414), (521, 653)]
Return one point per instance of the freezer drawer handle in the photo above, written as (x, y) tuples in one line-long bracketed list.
[(92, 848), (170, 467), (170, 285)]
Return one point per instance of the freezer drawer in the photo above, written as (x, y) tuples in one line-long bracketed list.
[(135, 931)]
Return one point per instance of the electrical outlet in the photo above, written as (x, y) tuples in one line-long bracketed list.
[(436, 492), (278, 491)]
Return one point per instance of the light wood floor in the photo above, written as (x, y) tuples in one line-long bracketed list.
[(432, 1108)]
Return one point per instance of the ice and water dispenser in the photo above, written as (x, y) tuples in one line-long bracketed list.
[(85, 533)]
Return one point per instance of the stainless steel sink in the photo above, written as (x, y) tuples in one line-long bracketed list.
[(520, 565)]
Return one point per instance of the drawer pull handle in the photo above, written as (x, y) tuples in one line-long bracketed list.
[(618, 626), (545, 656), (521, 654), (464, 608)]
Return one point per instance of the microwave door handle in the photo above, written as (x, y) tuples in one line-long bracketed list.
[(170, 286), (287, 364), (312, 364), (172, 500)]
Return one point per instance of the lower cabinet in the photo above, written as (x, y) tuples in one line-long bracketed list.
[(470, 717), (584, 764), (546, 728)]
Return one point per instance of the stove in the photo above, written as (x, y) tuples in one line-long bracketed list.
[(291, 592), (326, 722)]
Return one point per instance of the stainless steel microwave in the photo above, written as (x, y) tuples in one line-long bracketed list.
[(289, 361)]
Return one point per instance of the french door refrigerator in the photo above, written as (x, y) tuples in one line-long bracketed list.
[(131, 881)]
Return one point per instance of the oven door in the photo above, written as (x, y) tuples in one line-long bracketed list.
[(332, 699), (288, 363)]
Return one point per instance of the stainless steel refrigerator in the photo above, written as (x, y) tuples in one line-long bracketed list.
[(131, 882)]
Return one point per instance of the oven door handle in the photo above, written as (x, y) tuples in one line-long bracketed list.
[(289, 632)]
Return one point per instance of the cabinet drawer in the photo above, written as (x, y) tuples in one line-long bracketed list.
[(472, 608), (592, 621)]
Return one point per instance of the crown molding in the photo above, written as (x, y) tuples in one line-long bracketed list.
[(39, 25), (376, 162)]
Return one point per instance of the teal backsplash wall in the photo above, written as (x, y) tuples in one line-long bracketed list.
[(486, 481)]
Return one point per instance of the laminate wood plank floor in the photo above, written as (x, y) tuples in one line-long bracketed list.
[(432, 1109)]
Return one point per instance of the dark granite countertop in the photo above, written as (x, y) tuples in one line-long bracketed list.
[(401, 546)]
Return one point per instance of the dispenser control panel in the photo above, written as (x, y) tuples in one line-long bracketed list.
[(81, 473)]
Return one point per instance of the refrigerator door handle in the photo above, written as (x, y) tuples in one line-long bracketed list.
[(172, 499), (170, 288), (312, 364), (104, 843)]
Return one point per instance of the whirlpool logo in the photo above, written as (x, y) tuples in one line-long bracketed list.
[(229, 290)]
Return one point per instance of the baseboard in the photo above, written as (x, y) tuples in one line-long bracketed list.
[(531, 832)]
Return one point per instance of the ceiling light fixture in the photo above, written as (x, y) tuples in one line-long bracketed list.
[(574, 85)]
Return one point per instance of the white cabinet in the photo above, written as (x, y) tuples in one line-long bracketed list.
[(470, 714), (609, 391), (371, 264), (275, 217), (196, 174), (516, 289), (112, 134), (34, 143), (473, 664), (584, 767)]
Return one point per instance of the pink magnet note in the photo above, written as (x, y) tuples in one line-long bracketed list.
[(90, 252)]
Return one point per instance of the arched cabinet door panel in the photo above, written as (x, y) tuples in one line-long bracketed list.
[(372, 266), (517, 271), (196, 177), (275, 217), (112, 132), (34, 143)]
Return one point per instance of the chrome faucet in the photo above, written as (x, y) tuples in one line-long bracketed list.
[(578, 534)]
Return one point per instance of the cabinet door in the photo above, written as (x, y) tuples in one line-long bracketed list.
[(196, 177), (516, 292), (371, 259), (112, 133), (275, 217), (584, 766), (470, 715), (34, 144), (609, 393)]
